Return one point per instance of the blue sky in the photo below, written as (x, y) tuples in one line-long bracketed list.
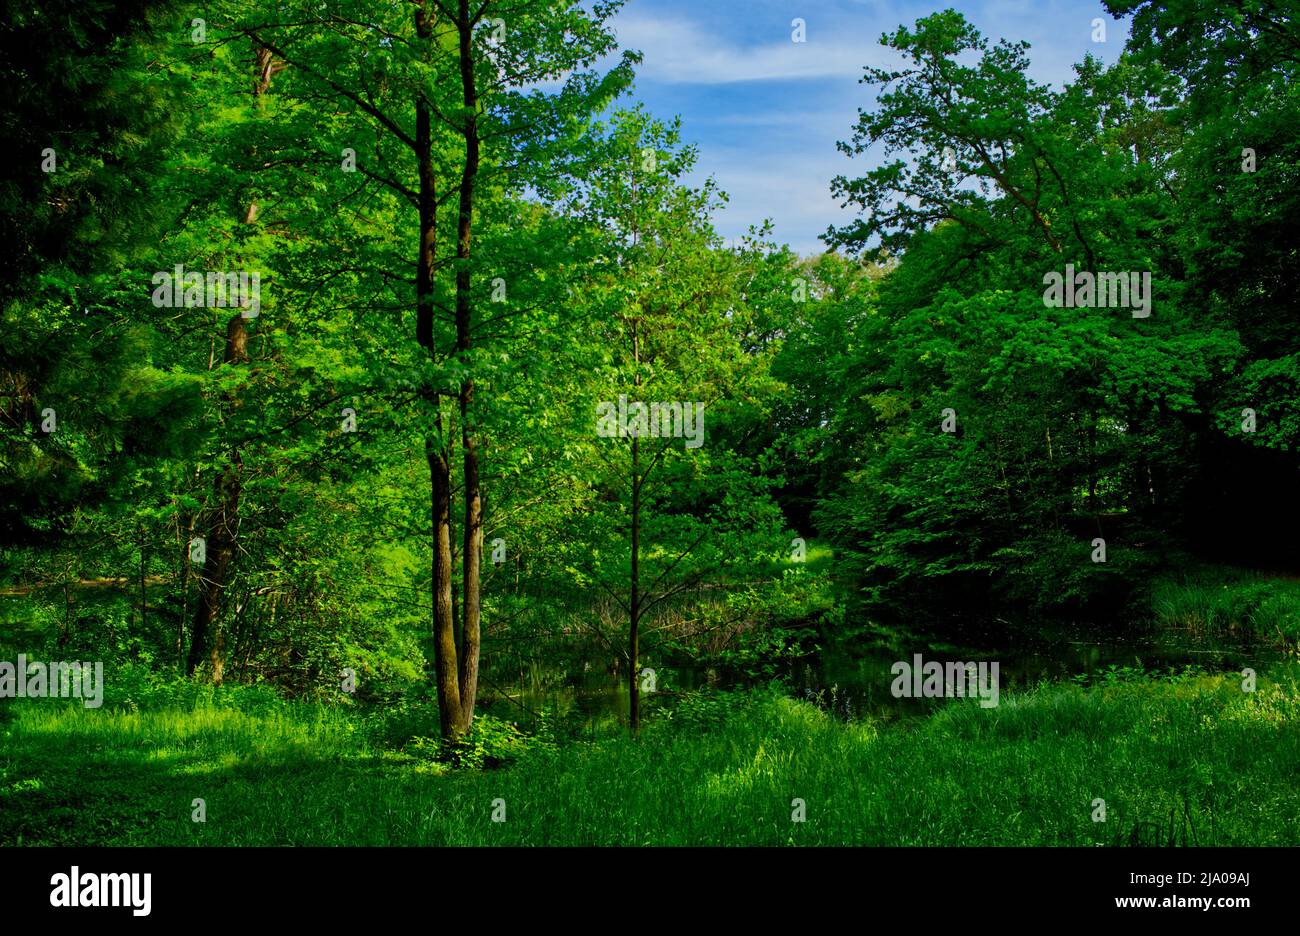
[(766, 112)]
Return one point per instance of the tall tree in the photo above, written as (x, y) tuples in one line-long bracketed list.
[(207, 637), (673, 497), (455, 92)]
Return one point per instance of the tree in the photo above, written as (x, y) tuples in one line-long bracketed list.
[(1010, 431), (454, 92), (673, 500)]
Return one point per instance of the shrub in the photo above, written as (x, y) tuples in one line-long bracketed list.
[(490, 743)]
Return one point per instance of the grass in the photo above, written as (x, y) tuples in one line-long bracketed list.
[(1224, 603), (1213, 764)]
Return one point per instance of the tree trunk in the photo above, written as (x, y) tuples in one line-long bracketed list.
[(144, 599), (223, 525), (450, 714), (220, 544), (444, 636), (634, 606), (472, 553)]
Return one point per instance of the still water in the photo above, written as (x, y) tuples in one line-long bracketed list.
[(854, 681)]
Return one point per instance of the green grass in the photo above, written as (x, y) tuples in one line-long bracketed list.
[(719, 770), (1228, 603)]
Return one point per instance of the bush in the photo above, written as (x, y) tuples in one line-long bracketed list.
[(490, 743), (132, 687), (708, 710)]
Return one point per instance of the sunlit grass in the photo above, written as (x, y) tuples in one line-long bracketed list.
[(1026, 772)]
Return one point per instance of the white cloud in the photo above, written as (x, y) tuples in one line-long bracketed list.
[(772, 147), (679, 52), (799, 202), (794, 122)]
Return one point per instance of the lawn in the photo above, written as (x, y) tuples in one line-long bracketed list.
[(1193, 761)]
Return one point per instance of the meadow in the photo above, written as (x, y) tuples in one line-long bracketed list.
[(1178, 761)]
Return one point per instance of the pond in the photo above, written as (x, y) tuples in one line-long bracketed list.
[(854, 680)]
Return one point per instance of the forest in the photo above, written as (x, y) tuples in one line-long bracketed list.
[(394, 451)]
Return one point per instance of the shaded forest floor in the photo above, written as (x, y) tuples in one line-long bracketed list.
[(1189, 760)]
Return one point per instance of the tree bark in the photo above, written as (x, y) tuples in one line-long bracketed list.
[(450, 714), (472, 553), (144, 599), (224, 522), (634, 605), (444, 636), (222, 528)]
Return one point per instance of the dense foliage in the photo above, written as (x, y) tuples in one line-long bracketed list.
[(392, 462)]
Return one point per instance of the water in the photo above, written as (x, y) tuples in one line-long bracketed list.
[(854, 684), (852, 679)]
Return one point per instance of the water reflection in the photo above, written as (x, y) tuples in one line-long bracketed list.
[(854, 681)]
